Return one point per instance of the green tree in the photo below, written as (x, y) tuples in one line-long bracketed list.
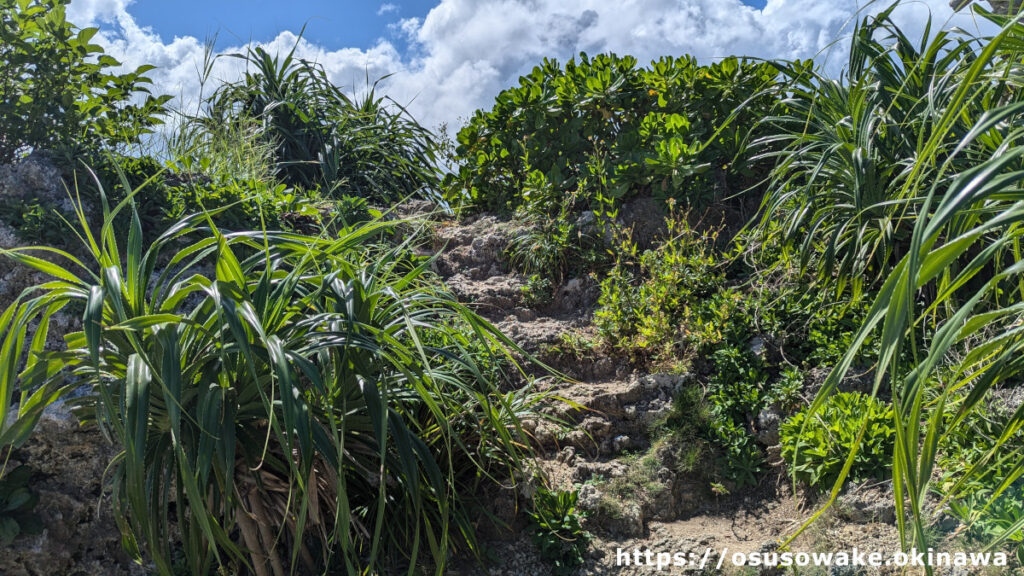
[(59, 90)]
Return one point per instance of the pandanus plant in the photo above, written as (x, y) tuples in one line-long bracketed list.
[(844, 149), (284, 403), (366, 145), (950, 312)]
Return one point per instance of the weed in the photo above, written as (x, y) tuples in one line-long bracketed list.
[(989, 499), (556, 529), (538, 291), (816, 446)]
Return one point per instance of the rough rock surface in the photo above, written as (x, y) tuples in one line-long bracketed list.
[(867, 502), (607, 422), (33, 177), (80, 536), (471, 259)]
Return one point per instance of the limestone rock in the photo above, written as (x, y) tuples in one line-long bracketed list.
[(80, 536), (865, 503)]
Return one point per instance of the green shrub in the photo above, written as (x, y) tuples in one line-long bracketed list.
[(741, 458), (245, 205), (687, 426), (700, 427), (59, 91), (546, 247), (738, 385), (816, 446), (679, 305), (556, 530), (35, 220), (672, 130), (538, 291), (645, 301), (162, 197), (308, 400), (619, 303)]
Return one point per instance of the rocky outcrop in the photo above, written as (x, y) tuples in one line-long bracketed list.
[(608, 418), (471, 258), (80, 536), (33, 177)]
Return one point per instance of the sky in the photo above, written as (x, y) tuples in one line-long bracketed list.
[(332, 24), (447, 58)]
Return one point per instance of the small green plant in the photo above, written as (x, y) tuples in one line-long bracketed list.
[(619, 302), (551, 247), (35, 220), (17, 506), (686, 426), (741, 458), (697, 427), (816, 447), (645, 300), (785, 392), (556, 529), (538, 291), (988, 500), (352, 210), (739, 384)]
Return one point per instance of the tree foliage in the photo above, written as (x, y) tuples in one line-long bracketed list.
[(59, 90), (600, 130)]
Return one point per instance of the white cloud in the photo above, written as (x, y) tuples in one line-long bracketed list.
[(387, 8), (465, 51), (94, 12)]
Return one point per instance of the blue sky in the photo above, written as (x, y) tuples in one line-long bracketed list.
[(336, 24), (446, 58), (329, 23)]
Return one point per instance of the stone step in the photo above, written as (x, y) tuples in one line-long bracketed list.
[(606, 418)]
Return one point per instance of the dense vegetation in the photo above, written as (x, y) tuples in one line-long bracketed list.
[(601, 130), (320, 136), (293, 390), (887, 244), (324, 388)]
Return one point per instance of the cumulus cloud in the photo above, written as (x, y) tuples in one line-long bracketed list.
[(464, 52), (387, 8)]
